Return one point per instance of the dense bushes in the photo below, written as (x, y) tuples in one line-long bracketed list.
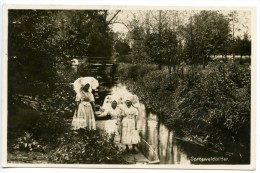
[(88, 147), (49, 127), (31, 125), (210, 106), (56, 109), (134, 72), (27, 143), (61, 102), (47, 130)]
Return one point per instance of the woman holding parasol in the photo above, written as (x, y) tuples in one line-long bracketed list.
[(84, 116)]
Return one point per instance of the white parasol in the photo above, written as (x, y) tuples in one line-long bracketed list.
[(80, 82)]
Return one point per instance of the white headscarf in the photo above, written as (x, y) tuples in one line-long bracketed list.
[(134, 99)]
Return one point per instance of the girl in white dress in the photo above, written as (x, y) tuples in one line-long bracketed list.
[(84, 115), (130, 134), (112, 126)]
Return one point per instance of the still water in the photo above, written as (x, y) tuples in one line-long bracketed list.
[(161, 139), (169, 148)]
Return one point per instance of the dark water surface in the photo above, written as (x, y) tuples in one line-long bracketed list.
[(169, 148)]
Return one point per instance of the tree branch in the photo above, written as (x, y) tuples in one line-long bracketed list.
[(127, 27), (110, 21)]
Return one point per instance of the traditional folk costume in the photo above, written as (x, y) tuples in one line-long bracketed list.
[(129, 133), (84, 115), (113, 125)]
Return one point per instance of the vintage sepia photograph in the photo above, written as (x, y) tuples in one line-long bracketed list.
[(129, 87)]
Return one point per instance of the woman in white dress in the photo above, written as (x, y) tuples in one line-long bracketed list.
[(84, 115), (130, 134), (112, 126)]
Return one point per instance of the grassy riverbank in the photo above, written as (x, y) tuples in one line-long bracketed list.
[(211, 107)]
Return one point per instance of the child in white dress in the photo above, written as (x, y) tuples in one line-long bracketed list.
[(130, 134)]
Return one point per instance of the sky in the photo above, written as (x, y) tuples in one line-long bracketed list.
[(244, 23)]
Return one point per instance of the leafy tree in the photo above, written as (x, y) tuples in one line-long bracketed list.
[(122, 48), (157, 38), (243, 46), (207, 33), (42, 42), (31, 50), (138, 35), (86, 33)]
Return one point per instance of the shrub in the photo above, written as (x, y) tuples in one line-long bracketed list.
[(88, 147), (49, 127), (45, 125), (27, 143), (135, 71), (61, 102), (84, 69), (212, 104)]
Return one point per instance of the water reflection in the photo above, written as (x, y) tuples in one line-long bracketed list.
[(169, 149), (156, 134), (161, 139)]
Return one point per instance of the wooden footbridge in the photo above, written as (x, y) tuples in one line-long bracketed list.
[(101, 66)]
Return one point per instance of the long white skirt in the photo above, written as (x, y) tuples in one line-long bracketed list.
[(85, 117), (129, 134), (112, 127)]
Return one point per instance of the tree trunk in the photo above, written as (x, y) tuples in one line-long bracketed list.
[(160, 35), (170, 70), (182, 72), (203, 62), (226, 57), (233, 42)]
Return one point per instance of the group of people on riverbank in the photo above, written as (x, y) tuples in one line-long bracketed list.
[(123, 116)]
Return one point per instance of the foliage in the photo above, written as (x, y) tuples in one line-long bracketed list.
[(122, 48), (85, 33), (40, 42), (61, 102), (135, 71), (44, 127), (58, 109), (27, 143), (139, 54), (49, 127), (88, 147), (155, 37), (212, 105), (242, 46), (173, 37), (236, 26), (207, 33), (31, 50)]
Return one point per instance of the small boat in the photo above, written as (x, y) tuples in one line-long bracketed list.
[(146, 154)]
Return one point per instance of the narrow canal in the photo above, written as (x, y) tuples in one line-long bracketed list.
[(169, 148)]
